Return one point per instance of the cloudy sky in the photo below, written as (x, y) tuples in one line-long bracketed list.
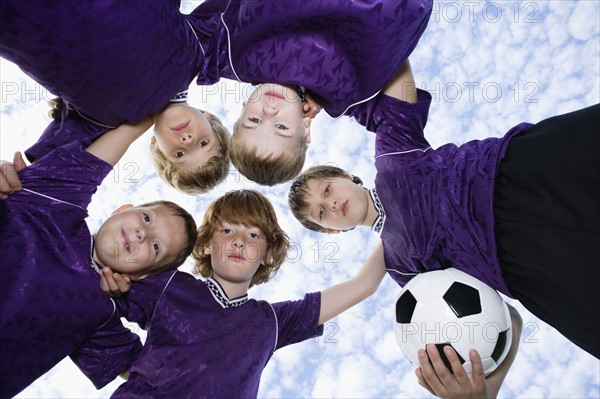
[(489, 65)]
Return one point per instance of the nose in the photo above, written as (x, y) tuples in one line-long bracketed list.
[(270, 110), (332, 205), (140, 234), (238, 242), (185, 138)]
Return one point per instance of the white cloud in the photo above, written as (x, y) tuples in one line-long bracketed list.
[(544, 56)]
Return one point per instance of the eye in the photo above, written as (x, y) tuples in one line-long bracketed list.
[(225, 231), (327, 190), (204, 143), (156, 248), (146, 217), (281, 127), (254, 235), (179, 154), (254, 120), (321, 213)]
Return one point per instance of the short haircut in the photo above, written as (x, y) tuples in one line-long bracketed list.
[(190, 232), (270, 170), (205, 177), (249, 208), (297, 200)]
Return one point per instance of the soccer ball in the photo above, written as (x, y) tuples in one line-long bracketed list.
[(449, 307)]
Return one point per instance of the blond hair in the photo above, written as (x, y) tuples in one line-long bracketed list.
[(249, 208), (203, 178), (270, 170)]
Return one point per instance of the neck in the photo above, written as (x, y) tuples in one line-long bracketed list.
[(233, 289), (371, 211)]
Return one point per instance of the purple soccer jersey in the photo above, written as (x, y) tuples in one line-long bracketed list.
[(201, 344), (50, 297), (118, 60), (343, 51), (438, 203)]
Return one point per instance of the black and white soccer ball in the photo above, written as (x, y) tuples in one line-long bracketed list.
[(450, 307)]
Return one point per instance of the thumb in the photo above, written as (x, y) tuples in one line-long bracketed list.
[(18, 161)]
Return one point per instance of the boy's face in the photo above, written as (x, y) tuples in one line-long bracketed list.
[(236, 252), (273, 121), (337, 203), (185, 137), (136, 240)]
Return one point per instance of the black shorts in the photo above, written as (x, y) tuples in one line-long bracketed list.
[(547, 212)]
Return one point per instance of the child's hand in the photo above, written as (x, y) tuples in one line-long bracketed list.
[(310, 107), (439, 381), (114, 284), (9, 180)]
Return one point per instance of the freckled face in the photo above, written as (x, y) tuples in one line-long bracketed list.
[(236, 252), (139, 239), (273, 120), (185, 137), (337, 203)]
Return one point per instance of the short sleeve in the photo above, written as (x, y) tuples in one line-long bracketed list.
[(107, 353), (298, 320), (69, 174), (139, 303), (399, 125), (71, 127)]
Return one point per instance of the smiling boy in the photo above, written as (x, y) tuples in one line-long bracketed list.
[(50, 300)]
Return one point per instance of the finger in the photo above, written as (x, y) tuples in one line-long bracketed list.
[(438, 364), (429, 374), (457, 368), (111, 288), (18, 161), (9, 180), (477, 373), (422, 381), (123, 282)]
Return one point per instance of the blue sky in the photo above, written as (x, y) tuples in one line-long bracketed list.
[(489, 65)]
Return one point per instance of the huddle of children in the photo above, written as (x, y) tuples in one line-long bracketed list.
[(432, 208)]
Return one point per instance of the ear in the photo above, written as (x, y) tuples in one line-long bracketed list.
[(244, 104), (122, 208), (153, 140), (306, 123), (208, 115), (209, 248)]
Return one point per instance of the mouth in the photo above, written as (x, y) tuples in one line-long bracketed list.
[(181, 126), (125, 241), (344, 208), (272, 93), (236, 258)]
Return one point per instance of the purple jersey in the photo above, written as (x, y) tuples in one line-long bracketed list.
[(50, 298), (119, 60), (201, 344), (343, 51), (437, 204)]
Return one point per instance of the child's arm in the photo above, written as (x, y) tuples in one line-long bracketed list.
[(402, 84), (438, 380), (111, 146), (343, 296)]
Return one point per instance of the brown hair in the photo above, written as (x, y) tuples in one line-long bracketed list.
[(299, 189), (203, 178), (190, 232), (270, 170), (250, 208)]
